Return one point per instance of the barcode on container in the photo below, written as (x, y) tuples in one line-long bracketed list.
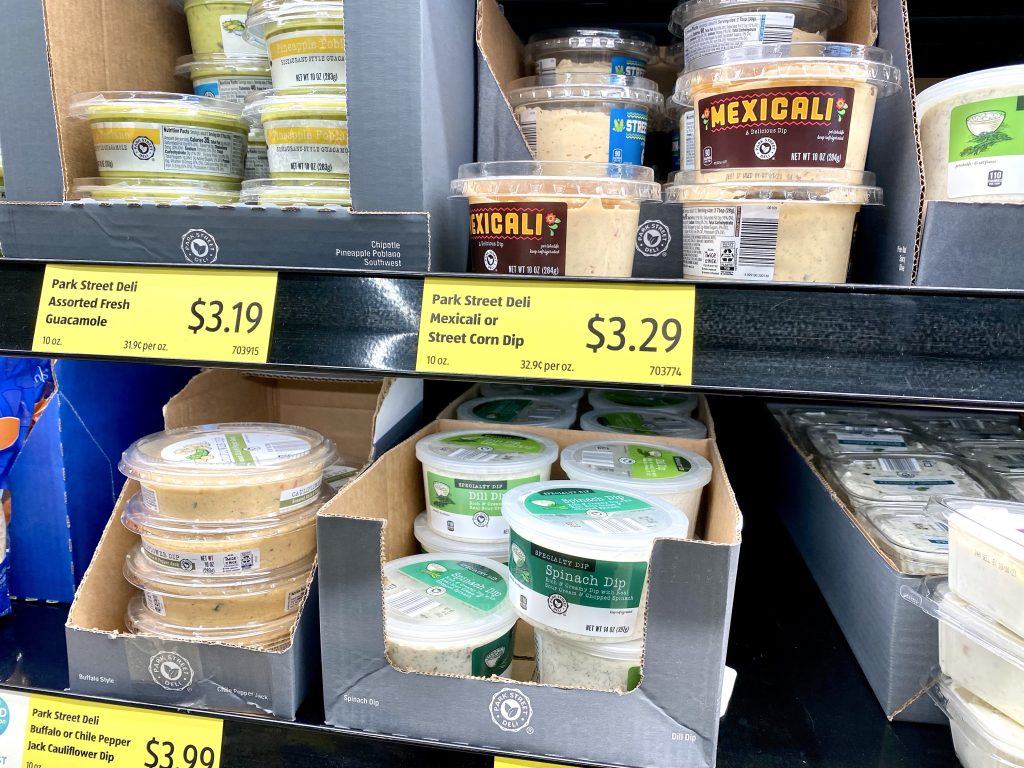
[(410, 603), (759, 239), (528, 124), (900, 465), (287, 447), (615, 524), (599, 459), (776, 33)]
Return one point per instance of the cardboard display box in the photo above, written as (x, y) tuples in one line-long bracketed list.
[(676, 706), (364, 419), (410, 97), (895, 642)]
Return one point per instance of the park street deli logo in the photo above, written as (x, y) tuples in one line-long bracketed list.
[(776, 127), (511, 710)]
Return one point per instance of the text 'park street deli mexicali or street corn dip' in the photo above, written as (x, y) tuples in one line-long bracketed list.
[(549, 219)]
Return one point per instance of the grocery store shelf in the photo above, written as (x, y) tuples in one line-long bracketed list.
[(899, 344)]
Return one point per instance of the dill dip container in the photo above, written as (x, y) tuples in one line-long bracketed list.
[(227, 76), (674, 475), (522, 411), (570, 663), (683, 403), (579, 556), (467, 473), (305, 40), (448, 614), (218, 26), (597, 50), (432, 542), (306, 133), (643, 421)]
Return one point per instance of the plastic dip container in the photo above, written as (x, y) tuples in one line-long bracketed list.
[(972, 137), (218, 26), (432, 542), (524, 411), (986, 557), (910, 478), (257, 165), (529, 218), (231, 77), (915, 542), (467, 473), (448, 614), (266, 636), (713, 26), (982, 736), (674, 475), (595, 666), (571, 395), (305, 40), (757, 225), (223, 472), (146, 134), (747, 99), (166, 191), (626, 421), (579, 556), (597, 51), (831, 441), (683, 403), (585, 117), (212, 549), (306, 133), (218, 601), (291, 192)]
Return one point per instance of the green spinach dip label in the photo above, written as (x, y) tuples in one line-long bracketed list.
[(493, 658)]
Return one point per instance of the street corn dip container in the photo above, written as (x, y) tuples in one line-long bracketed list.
[(304, 39), (218, 26), (306, 133), (597, 50), (227, 76)]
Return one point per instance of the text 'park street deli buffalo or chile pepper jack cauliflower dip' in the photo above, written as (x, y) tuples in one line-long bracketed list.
[(467, 473), (550, 219), (305, 40), (786, 107), (596, 50), (448, 614), (579, 556), (585, 117), (220, 472)]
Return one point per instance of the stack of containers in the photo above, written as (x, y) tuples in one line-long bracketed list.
[(226, 519), (779, 126), (636, 412)]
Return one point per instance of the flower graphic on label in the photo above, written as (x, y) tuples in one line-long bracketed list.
[(706, 116), (234, 27), (841, 108), (552, 221)]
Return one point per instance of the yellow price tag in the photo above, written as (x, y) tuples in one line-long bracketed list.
[(53, 732), (552, 329), (156, 312)]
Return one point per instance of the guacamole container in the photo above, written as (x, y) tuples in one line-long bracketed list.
[(228, 76), (292, 192), (304, 39), (594, 50), (148, 134), (257, 165), (306, 133), (219, 26), (159, 191)]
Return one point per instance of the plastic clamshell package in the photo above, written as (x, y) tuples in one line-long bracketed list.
[(914, 540), (982, 736), (960, 428), (1005, 457), (432, 542), (803, 417), (832, 441)]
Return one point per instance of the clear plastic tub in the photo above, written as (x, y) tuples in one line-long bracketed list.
[(596, 540), (549, 219), (832, 441), (432, 542), (147, 134), (712, 26), (224, 472), (597, 50), (467, 473), (971, 137), (214, 549), (305, 40), (674, 475), (306, 133), (904, 479), (765, 225), (448, 614), (257, 164), (218, 601), (683, 403), (747, 100), (915, 542), (166, 191), (646, 421), (569, 663), (585, 117), (523, 411), (218, 26), (263, 636), (228, 76), (982, 737), (571, 395), (293, 192), (1005, 457)]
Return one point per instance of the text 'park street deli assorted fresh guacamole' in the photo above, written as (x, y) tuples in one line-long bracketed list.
[(596, 50)]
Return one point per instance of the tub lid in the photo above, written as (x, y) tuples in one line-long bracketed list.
[(525, 178), (643, 422), (446, 598), (487, 452), (835, 186), (291, 192), (630, 650), (146, 190), (587, 87), (272, 634), (601, 518), (1000, 521), (232, 454), (140, 571), (524, 411), (265, 12), (252, 64), (901, 478), (684, 402), (845, 62), (997, 77), (999, 738), (552, 41), (913, 538), (823, 14), (511, 389), (433, 542), (640, 466), (140, 519), (310, 103), (85, 106)]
